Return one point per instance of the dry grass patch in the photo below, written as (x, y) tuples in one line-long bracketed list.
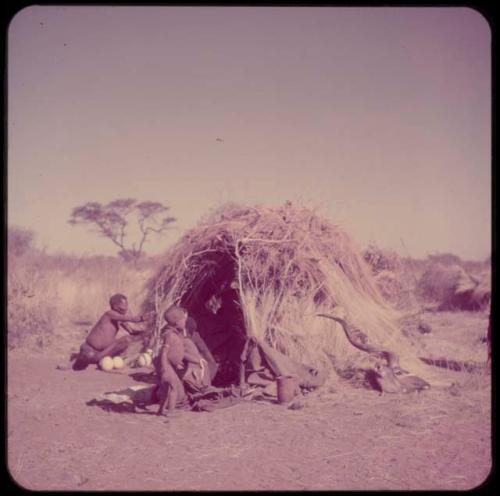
[(54, 299)]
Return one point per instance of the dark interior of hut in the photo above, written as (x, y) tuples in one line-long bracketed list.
[(213, 303)]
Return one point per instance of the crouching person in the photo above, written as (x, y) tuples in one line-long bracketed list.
[(101, 340)]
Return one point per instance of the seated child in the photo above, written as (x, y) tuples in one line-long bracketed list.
[(173, 355), (101, 340)]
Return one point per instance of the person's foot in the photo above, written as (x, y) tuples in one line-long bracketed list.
[(80, 363), (63, 366), (168, 414)]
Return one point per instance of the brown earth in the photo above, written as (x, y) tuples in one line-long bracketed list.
[(342, 437)]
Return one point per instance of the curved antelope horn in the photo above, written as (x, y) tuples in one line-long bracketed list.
[(359, 340)]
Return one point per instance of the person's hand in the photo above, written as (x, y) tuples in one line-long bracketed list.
[(199, 375), (148, 315)]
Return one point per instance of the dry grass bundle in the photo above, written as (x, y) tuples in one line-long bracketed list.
[(394, 278), (287, 264), (382, 260), (390, 286)]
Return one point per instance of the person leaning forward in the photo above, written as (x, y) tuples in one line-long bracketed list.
[(101, 340)]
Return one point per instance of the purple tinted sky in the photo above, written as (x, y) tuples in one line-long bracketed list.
[(381, 116)]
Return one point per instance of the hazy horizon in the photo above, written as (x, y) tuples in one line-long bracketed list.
[(381, 116)]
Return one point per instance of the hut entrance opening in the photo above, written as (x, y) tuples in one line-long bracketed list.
[(214, 304)]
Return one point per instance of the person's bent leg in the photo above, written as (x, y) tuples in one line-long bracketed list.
[(163, 393), (86, 356), (178, 385), (171, 399), (116, 348)]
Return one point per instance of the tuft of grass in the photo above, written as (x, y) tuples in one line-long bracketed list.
[(32, 307)]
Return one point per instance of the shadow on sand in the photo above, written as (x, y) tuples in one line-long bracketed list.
[(147, 377), (125, 407), (82, 322)]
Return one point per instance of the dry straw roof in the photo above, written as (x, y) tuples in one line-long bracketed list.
[(288, 264)]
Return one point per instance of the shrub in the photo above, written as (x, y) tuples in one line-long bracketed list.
[(381, 260), (31, 309), (19, 240), (444, 259)]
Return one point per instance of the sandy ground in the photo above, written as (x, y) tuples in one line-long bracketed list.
[(342, 437)]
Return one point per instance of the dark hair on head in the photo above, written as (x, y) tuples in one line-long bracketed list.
[(116, 298)]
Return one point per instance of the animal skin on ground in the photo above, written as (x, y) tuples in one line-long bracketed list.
[(390, 383), (386, 376), (354, 336), (386, 380), (454, 365)]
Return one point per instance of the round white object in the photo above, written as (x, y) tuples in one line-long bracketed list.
[(141, 361), (149, 351), (106, 363), (118, 362)]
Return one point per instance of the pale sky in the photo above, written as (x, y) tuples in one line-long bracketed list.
[(381, 116)]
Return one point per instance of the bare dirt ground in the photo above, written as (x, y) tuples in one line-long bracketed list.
[(342, 438)]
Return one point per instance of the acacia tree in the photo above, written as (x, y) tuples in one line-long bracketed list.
[(114, 221)]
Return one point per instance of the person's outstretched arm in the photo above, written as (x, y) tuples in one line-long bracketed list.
[(132, 332)]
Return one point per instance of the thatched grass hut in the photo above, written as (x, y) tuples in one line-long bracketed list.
[(275, 269)]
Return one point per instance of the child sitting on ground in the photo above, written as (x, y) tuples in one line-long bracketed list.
[(101, 340), (177, 350)]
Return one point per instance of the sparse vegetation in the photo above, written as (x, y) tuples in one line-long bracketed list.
[(19, 240), (46, 293), (32, 311), (381, 260), (395, 279), (53, 299), (444, 259), (451, 287), (51, 295)]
